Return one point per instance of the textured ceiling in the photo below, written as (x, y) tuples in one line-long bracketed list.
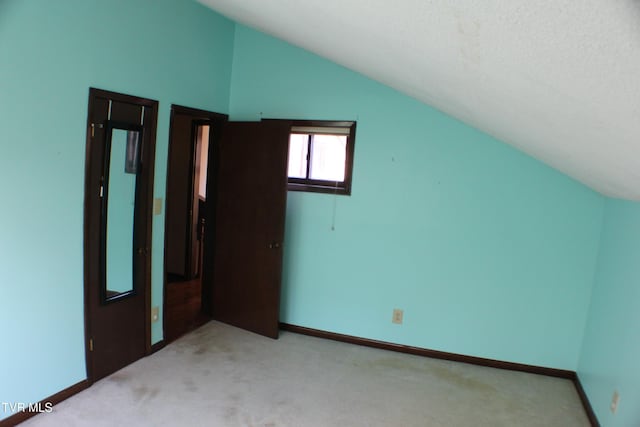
[(558, 79)]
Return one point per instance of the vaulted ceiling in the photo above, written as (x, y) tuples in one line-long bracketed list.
[(558, 79)]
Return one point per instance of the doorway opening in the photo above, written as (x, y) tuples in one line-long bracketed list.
[(190, 173)]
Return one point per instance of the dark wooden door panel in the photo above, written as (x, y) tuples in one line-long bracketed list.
[(179, 183), (250, 214), (126, 112), (118, 331)]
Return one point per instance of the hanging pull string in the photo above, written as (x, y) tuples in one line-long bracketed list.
[(335, 203)]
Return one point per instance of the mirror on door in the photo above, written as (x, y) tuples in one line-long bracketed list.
[(119, 189)]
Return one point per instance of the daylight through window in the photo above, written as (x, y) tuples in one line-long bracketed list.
[(321, 156)]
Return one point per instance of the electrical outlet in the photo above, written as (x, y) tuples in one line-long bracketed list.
[(615, 399), (155, 314), (397, 316)]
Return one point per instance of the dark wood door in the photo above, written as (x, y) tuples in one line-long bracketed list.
[(118, 201), (179, 194), (186, 197), (250, 215)]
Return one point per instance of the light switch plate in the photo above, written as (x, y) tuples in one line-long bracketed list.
[(157, 206)]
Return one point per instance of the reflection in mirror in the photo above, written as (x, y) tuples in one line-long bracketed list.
[(120, 198), (133, 152)]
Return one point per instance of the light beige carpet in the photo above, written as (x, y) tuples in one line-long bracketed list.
[(223, 376)]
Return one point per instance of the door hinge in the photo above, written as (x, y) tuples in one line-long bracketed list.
[(93, 128), (101, 191), (90, 344)]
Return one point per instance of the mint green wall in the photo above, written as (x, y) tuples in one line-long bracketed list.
[(489, 252), (51, 52), (610, 357)]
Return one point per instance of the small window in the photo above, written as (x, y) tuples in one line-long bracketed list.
[(321, 156)]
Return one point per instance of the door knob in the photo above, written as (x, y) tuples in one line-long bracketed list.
[(274, 245)]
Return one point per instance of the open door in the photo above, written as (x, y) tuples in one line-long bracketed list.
[(180, 183), (250, 214), (186, 190)]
